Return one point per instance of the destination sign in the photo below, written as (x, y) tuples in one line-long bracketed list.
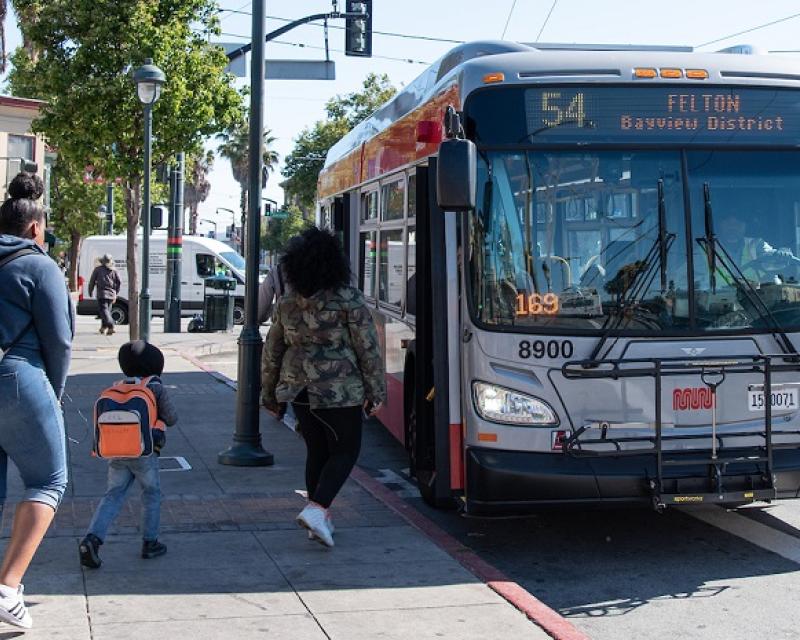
[(669, 114), (695, 114)]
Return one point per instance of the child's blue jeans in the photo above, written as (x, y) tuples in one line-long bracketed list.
[(121, 474)]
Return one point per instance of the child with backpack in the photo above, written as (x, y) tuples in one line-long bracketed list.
[(129, 431)]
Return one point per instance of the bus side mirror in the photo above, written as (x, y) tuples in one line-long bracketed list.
[(456, 179)]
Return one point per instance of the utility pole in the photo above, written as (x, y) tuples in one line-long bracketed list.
[(246, 450), (110, 209), (172, 299)]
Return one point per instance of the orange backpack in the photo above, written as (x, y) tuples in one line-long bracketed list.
[(124, 416)]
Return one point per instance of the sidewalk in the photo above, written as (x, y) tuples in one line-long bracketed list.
[(238, 566)]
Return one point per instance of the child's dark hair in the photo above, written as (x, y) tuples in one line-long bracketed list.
[(314, 261), (20, 209), (139, 359)]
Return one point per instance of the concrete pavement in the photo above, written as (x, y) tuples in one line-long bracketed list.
[(237, 564)]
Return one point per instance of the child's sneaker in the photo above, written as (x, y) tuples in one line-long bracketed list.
[(313, 518), (12, 607), (153, 549), (89, 551)]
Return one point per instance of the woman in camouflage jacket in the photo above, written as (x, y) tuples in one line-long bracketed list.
[(322, 355)]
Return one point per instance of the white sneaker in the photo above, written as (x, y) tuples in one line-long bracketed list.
[(13, 609), (312, 517), (331, 528)]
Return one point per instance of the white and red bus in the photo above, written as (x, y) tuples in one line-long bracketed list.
[(583, 266)]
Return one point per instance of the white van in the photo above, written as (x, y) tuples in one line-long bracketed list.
[(202, 257)]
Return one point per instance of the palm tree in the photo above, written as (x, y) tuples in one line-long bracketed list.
[(197, 187), (235, 148)]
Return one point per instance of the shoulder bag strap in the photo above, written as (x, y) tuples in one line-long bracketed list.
[(17, 254)]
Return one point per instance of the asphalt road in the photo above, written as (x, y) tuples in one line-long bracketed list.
[(630, 573)]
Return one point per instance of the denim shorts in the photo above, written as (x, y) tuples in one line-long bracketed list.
[(31, 432)]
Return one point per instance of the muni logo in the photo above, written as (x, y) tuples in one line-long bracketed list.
[(692, 398)]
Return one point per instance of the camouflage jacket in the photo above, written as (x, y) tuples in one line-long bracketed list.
[(327, 344)]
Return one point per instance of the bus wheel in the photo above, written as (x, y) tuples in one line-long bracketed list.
[(119, 313), (238, 313)]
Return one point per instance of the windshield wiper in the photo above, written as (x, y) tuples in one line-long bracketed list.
[(710, 238), (717, 252), (643, 277)]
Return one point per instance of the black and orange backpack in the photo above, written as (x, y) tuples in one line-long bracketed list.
[(125, 415)]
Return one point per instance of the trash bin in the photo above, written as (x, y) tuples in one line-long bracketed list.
[(218, 303)]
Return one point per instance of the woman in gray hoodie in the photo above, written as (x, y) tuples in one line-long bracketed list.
[(36, 332)]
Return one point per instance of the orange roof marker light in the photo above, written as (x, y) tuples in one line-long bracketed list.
[(497, 76), (645, 72), (671, 73), (697, 74)]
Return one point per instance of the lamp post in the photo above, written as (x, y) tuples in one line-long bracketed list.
[(149, 79), (209, 221)]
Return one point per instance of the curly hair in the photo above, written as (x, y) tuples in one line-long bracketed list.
[(314, 261), (21, 209)]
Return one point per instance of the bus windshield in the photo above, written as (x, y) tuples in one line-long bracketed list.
[(639, 242)]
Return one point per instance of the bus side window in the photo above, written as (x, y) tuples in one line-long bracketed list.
[(367, 259)]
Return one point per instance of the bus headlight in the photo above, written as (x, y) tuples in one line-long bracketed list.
[(505, 406)]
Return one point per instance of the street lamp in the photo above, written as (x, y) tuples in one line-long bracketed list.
[(149, 79), (209, 221)]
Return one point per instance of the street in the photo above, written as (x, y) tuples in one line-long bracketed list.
[(626, 573)]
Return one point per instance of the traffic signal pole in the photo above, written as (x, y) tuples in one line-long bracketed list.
[(246, 449)]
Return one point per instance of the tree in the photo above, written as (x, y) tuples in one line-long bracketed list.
[(86, 52), (235, 147), (74, 207), (343, 113), (196, 185), (277, 232)]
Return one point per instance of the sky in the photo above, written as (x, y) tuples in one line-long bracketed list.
[(292, 105)]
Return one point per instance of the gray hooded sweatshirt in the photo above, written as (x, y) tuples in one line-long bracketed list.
[(32, 288)]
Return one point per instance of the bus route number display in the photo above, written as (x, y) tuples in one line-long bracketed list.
[(537, 304), (694, 114)]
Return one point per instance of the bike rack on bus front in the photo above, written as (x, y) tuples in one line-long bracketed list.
[(712, 372)]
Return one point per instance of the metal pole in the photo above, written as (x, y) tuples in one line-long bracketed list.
[(110, 209), (172, 310), (246, 449), (144, 297)]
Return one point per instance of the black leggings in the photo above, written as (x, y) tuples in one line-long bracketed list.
[(333, 441)]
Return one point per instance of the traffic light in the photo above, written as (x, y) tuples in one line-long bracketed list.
[(358, 31)]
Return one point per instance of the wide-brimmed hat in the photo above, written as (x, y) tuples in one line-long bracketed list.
[(106, 258)]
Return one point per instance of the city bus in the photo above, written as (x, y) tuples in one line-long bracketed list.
[(584, 266)]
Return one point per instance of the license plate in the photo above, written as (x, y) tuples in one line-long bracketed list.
[(783, 399)]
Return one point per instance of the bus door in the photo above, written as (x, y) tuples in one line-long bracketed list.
[(428, 436)]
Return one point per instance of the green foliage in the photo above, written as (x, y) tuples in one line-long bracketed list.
[(74, 203), (88, 50), (80, 57), (277, 232), (311, 146), (359, 105)]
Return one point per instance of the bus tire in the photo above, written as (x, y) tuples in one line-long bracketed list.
[(417, 471), (119, 312)]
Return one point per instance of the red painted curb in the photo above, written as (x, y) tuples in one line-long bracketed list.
[(554, 624)]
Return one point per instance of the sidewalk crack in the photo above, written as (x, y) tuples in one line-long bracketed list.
[(289, 582)]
